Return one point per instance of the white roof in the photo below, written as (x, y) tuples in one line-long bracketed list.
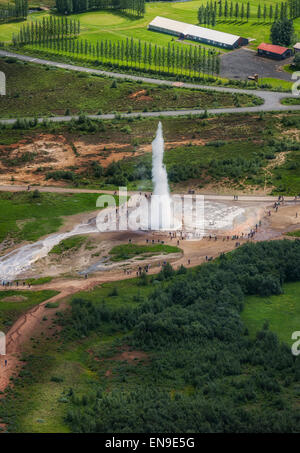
[(194, 30), (297, 45)]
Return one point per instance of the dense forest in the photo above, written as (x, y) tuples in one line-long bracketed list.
[(17, 11), (134, 7), (205, 373)]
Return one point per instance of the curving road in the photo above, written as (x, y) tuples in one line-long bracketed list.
[(271, 98)]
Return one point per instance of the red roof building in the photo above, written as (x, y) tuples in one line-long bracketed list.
[(274, 51)]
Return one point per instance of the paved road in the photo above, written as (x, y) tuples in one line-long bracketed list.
[(20, 188), (271, 99)]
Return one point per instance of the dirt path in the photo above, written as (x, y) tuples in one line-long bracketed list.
[(32, 321), (18, 336), (277, 162)]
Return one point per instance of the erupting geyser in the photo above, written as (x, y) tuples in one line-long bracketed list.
[(161, 200), (160, 212)]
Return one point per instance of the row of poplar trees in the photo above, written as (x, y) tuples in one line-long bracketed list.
[(49, 29), (134, 7), (212, 11), (18, 10), (60, 35), (294, 8)]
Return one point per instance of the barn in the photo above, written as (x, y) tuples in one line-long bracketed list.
[(274, 51), (195, 33)]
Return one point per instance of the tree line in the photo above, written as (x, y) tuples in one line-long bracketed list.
[(212, 11), (134, 7), (294, 8), (17, 11), (49, 29), (59, 35), (191, 329)]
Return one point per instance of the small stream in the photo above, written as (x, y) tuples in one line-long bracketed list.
[(21, 259)]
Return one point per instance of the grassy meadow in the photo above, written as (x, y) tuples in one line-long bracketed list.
[(14, 303), (282, 312), (26, 218), (116, 26), (112, 25), (295, 234), (69, 244), (127, 251), (42, 397), (34, 90)]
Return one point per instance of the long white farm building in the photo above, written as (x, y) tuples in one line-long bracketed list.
[(195, 33)]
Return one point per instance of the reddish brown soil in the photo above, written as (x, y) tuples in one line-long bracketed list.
[(49, 152), (131, 356), (141, 96)]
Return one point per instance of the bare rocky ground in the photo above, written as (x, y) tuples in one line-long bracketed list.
[(48, 152), (29, 160), (55, 152), (96, 248), (93, 256)]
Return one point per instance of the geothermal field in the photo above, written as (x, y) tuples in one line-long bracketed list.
[(187, 217)]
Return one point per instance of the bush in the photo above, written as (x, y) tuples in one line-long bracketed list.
[(56, 379)]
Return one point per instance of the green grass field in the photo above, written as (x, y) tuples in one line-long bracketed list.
[(42, 400), (116, 294), (286, 178), (39, 281), (33, 3), (290, 101), (276, 83), (14, 303), (295, 234), (281, 312), (34, 90), (114, 25), (27, 218), (73, 243), (127, 251)]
